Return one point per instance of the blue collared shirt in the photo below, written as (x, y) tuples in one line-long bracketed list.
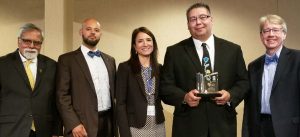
[(267, 83)]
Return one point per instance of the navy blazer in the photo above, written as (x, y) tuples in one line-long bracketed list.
[(284, 99)]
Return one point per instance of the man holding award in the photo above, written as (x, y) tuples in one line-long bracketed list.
[(205, 78)]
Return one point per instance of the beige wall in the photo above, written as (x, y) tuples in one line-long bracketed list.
[(9, 34), (12, 16), (234, 20)]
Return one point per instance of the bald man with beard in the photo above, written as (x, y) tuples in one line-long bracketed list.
[(85, 87)]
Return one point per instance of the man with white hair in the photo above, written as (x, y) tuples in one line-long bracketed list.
[(27, 89)]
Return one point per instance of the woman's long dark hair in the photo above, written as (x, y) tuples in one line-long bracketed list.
[(134, 59)]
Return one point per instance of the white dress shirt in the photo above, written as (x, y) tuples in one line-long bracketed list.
[(100, 78), (32, 65), (210, 45)]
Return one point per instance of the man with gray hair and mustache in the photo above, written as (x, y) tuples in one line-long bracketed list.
[(27, 89)]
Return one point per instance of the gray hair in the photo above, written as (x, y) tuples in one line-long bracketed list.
[(29, 27), (273, 19)]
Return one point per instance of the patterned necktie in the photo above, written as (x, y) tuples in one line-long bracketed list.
[(29, 74), (92, 53), (206, 63), (269, 60)]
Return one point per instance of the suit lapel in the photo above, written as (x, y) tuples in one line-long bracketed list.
[(140, 81), (20, 67), (258, 72), (156, 86), (41, 68), (192, 53), (218, 55), (109, 66), (84, 67), (282, 63), (141, 84)]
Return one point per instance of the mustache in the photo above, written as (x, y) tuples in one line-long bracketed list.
[(30, 50), (91, 36), (30, 53)]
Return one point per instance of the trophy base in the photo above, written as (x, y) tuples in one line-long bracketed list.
[(209, 95)]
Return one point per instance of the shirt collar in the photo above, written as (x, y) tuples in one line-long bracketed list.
[(209, 42), (85, 50)]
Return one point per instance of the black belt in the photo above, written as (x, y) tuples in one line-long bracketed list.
[(265, 117), (104, 112)]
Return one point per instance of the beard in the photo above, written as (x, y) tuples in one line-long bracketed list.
[(89, 42), (30, 53)]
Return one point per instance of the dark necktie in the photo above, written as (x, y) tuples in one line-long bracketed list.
[(269, 60), (92, 53), (206, 63)]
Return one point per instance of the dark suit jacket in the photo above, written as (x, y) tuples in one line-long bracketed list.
[(284, 99), (19, 105), (178, 77), (76, 95), (132, 102)]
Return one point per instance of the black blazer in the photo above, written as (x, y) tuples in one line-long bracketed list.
[(178, 77), (132, 102), (19, 105), (284, 99)]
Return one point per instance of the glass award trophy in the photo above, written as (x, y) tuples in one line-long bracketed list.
[(207, 84)]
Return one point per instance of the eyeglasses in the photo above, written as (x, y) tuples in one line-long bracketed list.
[(202, 17), (274, 30), (29, 42)]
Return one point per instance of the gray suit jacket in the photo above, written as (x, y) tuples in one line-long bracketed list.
[(19, 105), (284, 99), (76, 95), (178, 77)]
